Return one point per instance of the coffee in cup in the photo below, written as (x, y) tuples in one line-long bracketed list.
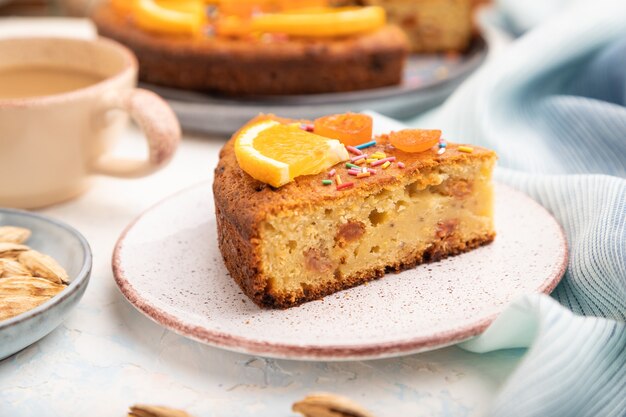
[(63, 105)]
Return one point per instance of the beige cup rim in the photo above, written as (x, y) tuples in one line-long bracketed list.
[(129, 60)]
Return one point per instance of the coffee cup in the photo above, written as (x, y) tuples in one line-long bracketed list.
[(63, 105)]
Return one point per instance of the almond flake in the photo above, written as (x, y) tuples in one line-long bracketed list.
[(43, 266), (329, 405), (14, 234)]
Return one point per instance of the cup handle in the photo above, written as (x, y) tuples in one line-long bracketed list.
[(158, 123)]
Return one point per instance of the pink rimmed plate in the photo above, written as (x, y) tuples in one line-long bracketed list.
[(168, 265)]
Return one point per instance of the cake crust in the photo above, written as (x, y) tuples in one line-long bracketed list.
[(242, 203), (256, 67)]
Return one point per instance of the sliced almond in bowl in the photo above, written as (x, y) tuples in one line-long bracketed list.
[(12, 268), (11, 250), (12, 234), (43, 266), (19, 294)]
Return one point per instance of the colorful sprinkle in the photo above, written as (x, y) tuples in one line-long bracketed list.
[(353, 172), (442, 144), (349, 165), (386, 165), (332, 172), (358, 157), (363, 174), (370, 160), (360, 162), (307, 127), (382, 161), (466, 149), (327, 182), (379, 155), (354, 150), (366, 144), (345, 185), (338, 179), (371, 171), (441, 151), (401, 165)]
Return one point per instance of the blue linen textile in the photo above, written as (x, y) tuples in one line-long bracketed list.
[(552, 104)]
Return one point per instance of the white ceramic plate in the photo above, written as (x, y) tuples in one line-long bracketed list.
[(168, 265)]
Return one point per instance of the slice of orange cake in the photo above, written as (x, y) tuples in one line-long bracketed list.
[(308, 209)]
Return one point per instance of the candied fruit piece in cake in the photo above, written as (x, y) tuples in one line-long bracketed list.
[(349, 128), (414, 140)]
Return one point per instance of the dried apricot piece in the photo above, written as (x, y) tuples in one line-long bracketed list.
[(349, 128), (414, 140)]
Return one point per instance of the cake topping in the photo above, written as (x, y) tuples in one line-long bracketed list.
[(358, 157), (383, 160), (414, 140), (442, 147), (366, 145), (324, 22), (349, 128), (184, 17), (276, 153), (344, 185), (252, 18), (466, 149), (354, 150)]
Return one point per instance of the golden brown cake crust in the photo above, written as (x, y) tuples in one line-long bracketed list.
[(241, 204), (245, 67)]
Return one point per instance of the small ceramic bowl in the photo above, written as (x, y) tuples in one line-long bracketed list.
[(72, 251)]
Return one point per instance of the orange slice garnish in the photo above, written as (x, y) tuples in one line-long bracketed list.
[(232, 26), (276, 153), (349, 128), (414, 140), (184, 6), (322, 22), (187, 18), (246, 8), (123, 6)]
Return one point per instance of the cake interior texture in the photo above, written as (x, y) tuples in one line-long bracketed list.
[(320, 249)]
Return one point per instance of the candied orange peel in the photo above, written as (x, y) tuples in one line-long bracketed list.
[(414, 140), (349, 128)]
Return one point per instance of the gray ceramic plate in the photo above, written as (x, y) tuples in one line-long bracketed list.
[(428, 80), (72, 251)]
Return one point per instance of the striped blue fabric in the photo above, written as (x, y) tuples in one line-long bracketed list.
[(552, 104)]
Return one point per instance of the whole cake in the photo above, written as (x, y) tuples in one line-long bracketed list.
[(295, 225), (268, 49)]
